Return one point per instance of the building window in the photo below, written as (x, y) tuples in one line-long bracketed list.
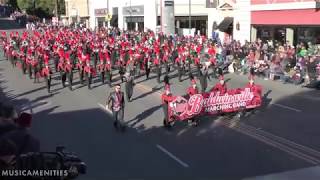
[(158, 21), (309, 34), (115, 11)]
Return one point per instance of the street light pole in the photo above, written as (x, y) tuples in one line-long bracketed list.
[(125, 18), (161, 20), (108, 23), (130, 14), (190, 17), (56, 9)]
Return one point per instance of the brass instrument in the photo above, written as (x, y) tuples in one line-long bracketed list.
[(25, 43)]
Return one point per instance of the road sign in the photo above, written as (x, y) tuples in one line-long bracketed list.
[(108, 17)]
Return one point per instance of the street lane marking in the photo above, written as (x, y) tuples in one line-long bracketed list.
[(172, 156), (286, 107), (302, 152), (147, 88), (45, 104), (35, 105), (291, 143), (104, 108)]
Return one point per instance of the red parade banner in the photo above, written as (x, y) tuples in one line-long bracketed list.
[(214, 103)]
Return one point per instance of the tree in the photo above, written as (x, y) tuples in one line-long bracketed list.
[(61, 7), (41, 8), (24, 4), (12, 3)]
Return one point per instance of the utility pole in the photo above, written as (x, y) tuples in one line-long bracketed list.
[(161, 20), (108, 23), (130, 15), (190, 17), (56, 14)]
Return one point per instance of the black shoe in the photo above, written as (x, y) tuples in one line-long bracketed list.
[(123, 128), (115, 125)]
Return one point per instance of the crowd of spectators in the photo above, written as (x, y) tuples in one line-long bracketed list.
[(19, 17), (298, 64)]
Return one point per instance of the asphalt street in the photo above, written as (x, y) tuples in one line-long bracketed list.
[(282, 136)]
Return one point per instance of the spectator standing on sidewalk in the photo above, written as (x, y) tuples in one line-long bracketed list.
[(21, 136)]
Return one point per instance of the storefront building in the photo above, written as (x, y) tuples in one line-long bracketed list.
[(285, 21), (168, 16), (146, 14), (134, 17), (100, 17), (77, 11), (136, 14), (198, 12)]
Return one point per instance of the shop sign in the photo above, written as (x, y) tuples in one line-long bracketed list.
[(101, 12), (133, 10), (168, 3)]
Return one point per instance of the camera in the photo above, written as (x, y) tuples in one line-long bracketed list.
[(60, 160)]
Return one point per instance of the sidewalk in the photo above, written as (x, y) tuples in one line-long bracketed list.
[(312, 173)]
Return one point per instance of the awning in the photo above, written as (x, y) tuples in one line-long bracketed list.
[(286, 17), (225, 24), (114, 20)]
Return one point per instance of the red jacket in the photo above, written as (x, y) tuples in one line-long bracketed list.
[(196, 61), (254, 88), (90, 70), (165, 58), (108, 65), (178, 60), (61, 66), (34, 62), (85, 58), (212, 60), (191, 91), (46, 72), (256, 100), (166, 98), (220, 88), (61, 53), (68, 68), (156, 61), (211, 51)]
